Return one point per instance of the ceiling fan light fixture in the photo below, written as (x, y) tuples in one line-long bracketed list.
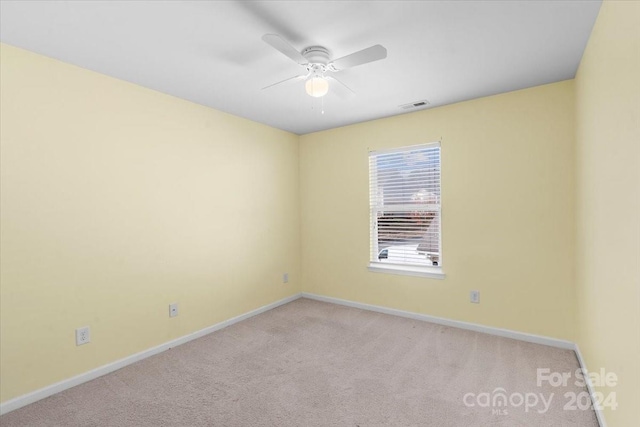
[(317, 87), (316, 62)]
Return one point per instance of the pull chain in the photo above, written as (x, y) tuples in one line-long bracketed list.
[(313, 106)]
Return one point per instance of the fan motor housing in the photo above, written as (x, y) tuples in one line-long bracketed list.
[(316, 54)]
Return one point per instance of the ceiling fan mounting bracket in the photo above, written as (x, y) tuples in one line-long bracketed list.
[(316, 70)]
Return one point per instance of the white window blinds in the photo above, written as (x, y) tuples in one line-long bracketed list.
[(404, 193)]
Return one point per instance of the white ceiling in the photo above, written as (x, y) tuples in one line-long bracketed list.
[(210, 52)]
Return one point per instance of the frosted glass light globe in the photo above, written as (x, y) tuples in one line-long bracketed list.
[(317, 87)]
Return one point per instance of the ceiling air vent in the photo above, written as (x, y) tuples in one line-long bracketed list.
[(416, 104)]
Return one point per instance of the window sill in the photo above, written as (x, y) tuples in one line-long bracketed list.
[(407, 270)]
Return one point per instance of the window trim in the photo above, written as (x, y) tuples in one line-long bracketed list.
[(407, 270), (433, 272)]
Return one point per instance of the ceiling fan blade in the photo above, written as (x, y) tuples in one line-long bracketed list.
[(370, 54), (284, 47), (341, 89), (290, 79)]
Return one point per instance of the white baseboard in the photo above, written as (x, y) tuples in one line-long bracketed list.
[(590, 389), (26, 399), (521, 336)]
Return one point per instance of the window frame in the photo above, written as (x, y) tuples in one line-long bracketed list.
[(434, 272)]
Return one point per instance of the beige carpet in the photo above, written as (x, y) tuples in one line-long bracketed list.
[(310, 363)]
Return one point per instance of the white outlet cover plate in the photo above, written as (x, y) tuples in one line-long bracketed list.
[(173, 309), (83, 335), (475, 297)]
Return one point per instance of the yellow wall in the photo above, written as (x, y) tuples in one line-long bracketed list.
[(507, 215), (608, 204), (118, 200)]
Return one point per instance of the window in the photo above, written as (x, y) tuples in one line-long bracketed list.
[(404, 194)]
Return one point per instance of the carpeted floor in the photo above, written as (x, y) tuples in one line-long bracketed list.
[(309, 363)]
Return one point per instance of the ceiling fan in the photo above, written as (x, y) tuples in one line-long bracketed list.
[(315, 60)]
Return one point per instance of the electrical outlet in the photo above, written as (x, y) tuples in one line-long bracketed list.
[(173, 309), (285, 278), (83, 335), (475, 297)]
